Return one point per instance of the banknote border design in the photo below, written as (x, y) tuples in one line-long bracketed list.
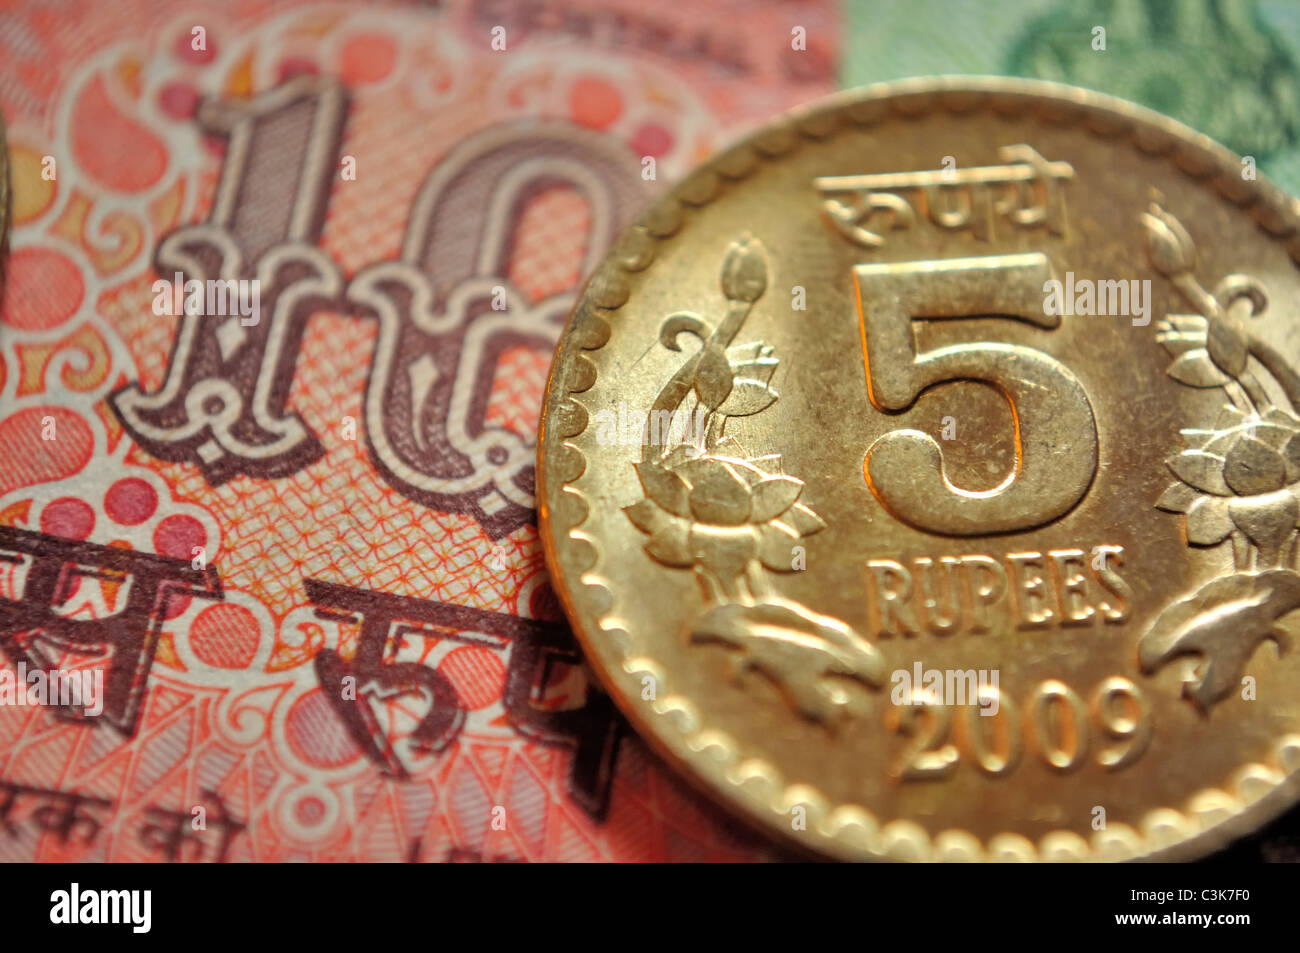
[(1254, 794)]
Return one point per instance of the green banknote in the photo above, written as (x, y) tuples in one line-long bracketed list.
[(1228, 68)]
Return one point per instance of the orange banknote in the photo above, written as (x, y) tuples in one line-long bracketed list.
[(281, 289)]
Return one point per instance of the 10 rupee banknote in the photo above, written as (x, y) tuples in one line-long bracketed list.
[(282, 287)]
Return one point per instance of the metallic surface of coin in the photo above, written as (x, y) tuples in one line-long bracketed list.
[(921, 477)]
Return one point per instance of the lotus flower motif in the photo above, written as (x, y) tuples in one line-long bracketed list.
[(728, 515), (723, 513), (1238, 480)]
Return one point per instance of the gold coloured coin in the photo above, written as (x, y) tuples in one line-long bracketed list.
[(922, 477)]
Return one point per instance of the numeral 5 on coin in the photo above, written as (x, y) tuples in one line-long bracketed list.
[(1055, 430)]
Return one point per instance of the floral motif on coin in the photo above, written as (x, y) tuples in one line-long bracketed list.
[(1238, 480), (712, 507)]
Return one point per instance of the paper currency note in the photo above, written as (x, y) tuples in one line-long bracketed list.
[(1227, 68), (283, 284)]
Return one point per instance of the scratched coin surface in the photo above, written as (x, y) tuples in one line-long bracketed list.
[(922, 477)]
